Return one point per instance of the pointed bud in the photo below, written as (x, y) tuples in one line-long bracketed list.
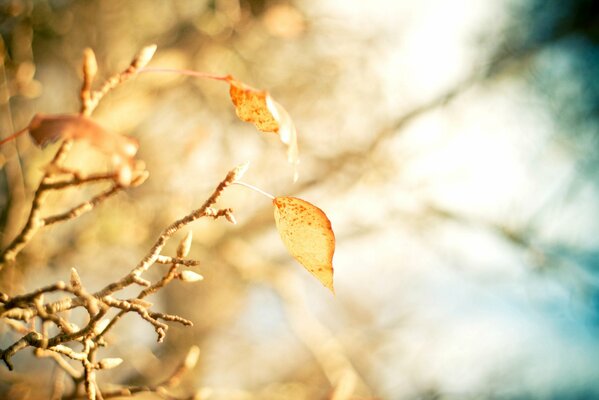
[(109, 363), (238, 172), (140, 178), (144, 56), (124, 175), (230, 217), (185, 245), (75, 279), (191, 359), (190, 276), (90, 65), (101, 325)]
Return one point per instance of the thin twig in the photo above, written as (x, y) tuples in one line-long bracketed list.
[(82, 208), (196, 74), (175, 260), (79, 181), (154, 252)]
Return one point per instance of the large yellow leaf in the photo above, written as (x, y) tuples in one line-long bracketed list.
[(306, 232)]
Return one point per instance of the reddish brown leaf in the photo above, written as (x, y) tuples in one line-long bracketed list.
[(307, 233), (45, 129)]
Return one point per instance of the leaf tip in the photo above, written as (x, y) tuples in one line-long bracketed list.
[(331, 288)]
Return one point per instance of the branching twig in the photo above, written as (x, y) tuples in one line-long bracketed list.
[(89, 101), (81, 208), (154, 252), (78, 180), (57, 337), (26, 307)]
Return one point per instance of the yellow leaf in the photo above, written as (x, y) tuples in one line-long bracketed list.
[(258, 107), (251, 106), (306, 232)]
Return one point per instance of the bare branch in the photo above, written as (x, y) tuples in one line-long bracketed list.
[(174, 260), (82, 208)]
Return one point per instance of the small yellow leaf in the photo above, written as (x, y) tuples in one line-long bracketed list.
[(251, 106), (306, 232), (258, 107)]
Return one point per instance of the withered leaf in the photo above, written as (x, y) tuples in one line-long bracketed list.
[(307, 233), (251, 106), (45, 129), (258, 107)]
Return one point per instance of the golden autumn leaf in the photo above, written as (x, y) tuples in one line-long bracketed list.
[(251, 105), (307, 233), (258, 107)]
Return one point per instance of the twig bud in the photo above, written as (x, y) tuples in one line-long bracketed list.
[(124, 175), (101, 325), (238, 172), (90, 65), (190, 276), (185, 245), (230, 217), (191, 359), (144, 56), (139, 178), (75, 279), (109, 363)]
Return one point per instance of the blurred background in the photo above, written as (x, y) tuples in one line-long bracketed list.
[(453, 145)]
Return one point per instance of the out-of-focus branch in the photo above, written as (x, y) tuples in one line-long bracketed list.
[(12, 169), (186, 365), (323, 345), (89, 101), (327, 351)]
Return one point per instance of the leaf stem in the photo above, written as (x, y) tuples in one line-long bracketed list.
[(14, 135), (188, 72), (254, 188)]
